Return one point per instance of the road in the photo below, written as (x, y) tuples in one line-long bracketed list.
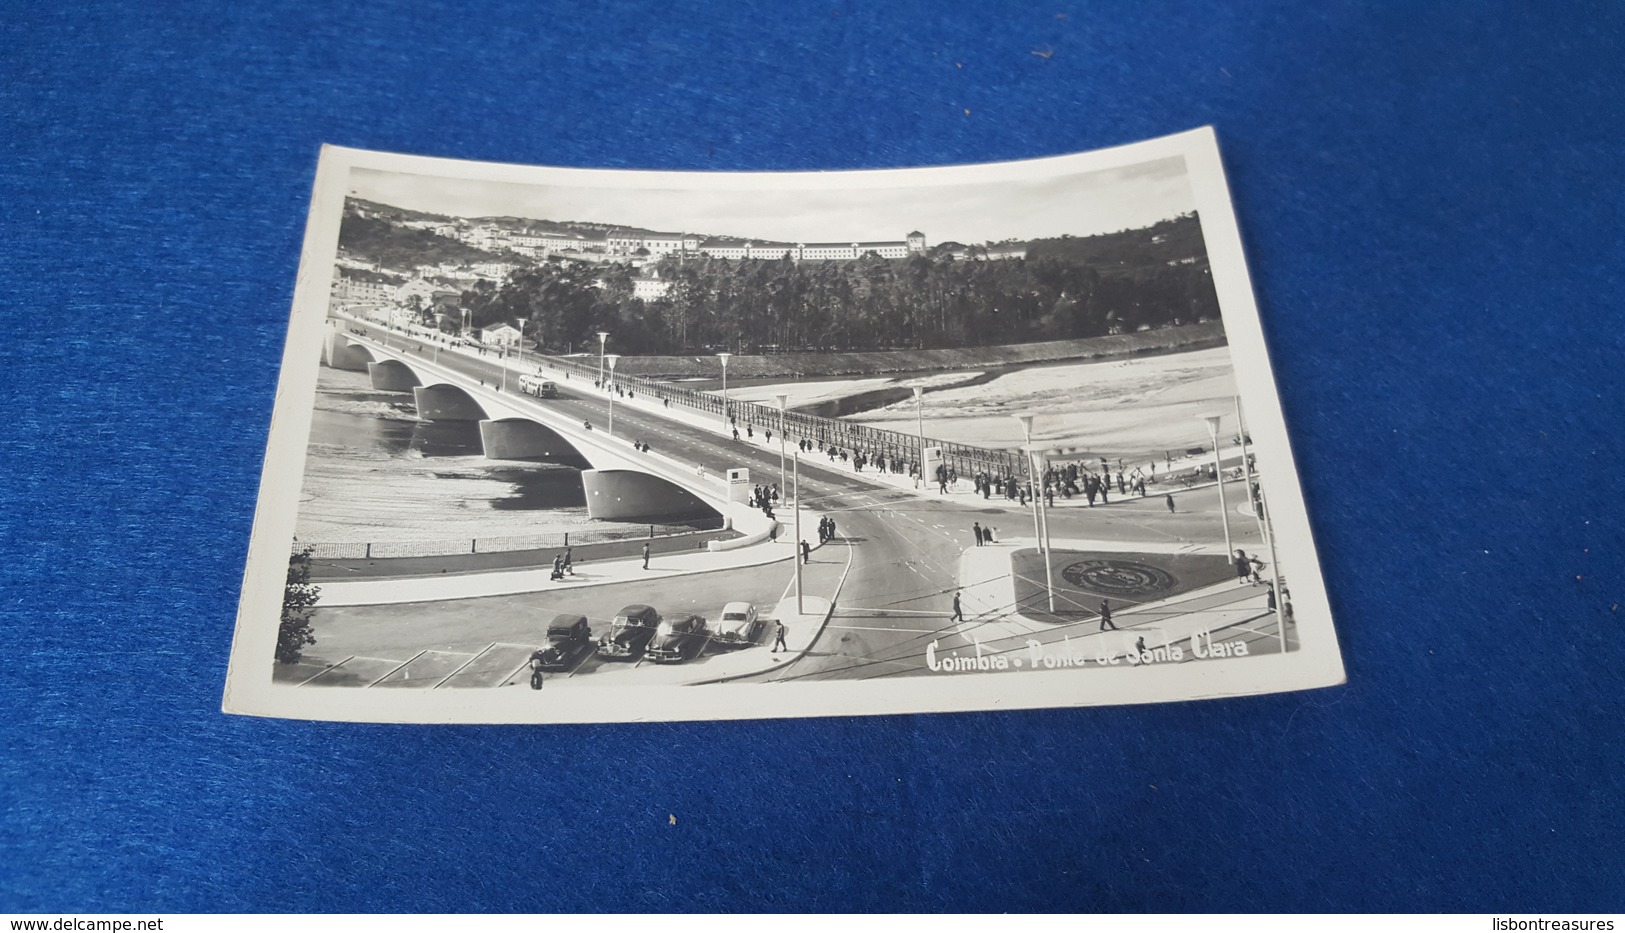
[(897, 593)]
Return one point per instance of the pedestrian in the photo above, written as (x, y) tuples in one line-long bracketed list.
[(1244, 567), (959, 615), (1255, 565), (976, 528), (569, 563), (778, 641), (773, 534), (646, 556), (1269, 597), (806, 552), (1170, 500), (558, 567), (992, 535), (1106, 617)]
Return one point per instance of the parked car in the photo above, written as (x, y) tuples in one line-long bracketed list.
[(680, 640), (629, 633), (738, 624), (568, 636)]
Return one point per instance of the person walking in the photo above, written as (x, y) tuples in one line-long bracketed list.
[(645, 556), (976, 529), (806, 552), (959, 614), (1244, 567), (536, 669), (1170, 500), (1269, 597), (569, 562), (778, 642), (1106, 617)]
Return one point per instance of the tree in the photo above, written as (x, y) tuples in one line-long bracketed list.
[(298, 605)]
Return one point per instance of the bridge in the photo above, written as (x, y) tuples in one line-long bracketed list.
[(620, 482), (894, 570)]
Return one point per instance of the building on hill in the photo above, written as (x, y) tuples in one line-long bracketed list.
[(417, 285), (365, 285), (502, 335), (770, 250), (890, 249), (662, 244), (724, 249), (650, 285)]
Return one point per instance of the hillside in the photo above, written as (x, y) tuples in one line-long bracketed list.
[(1129, 252), (382, 241)]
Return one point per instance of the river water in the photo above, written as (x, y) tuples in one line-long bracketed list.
[(374, 472)]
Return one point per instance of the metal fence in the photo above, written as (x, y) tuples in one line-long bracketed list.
[(446, 547), (965, 460)]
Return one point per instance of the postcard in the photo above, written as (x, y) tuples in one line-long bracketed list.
[(566, 445)]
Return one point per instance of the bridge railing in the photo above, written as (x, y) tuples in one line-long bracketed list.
[(964, 459), (444, 547)]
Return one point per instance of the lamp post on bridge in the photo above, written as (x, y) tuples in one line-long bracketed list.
[(612, 358), (783, 400), (724, 358), (1041, 539), (795, 552), (603, 335), (1218, 474), (521, 341)]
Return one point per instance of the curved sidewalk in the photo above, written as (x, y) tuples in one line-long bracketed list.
[(438, 587)]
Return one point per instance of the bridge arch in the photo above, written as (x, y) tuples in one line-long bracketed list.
[(392, 376), (340, 353), (446, 402), (524, 439), (630, 495)]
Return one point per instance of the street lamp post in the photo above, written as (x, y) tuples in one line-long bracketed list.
[(602, 336), (612, 358), (1040, 465), (784, 400), (521, 342), (1218, 474), (796, 551), (1247, 469), (724, 358), (1040, 539), (919, 421)]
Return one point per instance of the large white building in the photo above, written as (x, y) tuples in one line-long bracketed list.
[(814, 252), (650, 285)]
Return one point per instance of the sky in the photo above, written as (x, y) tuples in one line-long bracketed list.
[(1079, 204)]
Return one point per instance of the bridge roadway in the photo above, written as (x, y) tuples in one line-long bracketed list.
[(896, 584)]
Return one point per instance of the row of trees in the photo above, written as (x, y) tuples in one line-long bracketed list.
[(923, 301)]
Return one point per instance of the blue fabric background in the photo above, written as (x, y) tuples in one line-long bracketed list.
[(1431, 199)]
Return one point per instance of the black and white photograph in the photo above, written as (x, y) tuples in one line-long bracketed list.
[(558, 445)]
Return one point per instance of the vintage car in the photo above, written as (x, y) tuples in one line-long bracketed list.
[(738, 624), (629, 633), (679, 640), (537, 386), (568, 637)]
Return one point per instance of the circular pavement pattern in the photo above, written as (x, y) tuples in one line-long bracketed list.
[(1119, 577)]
